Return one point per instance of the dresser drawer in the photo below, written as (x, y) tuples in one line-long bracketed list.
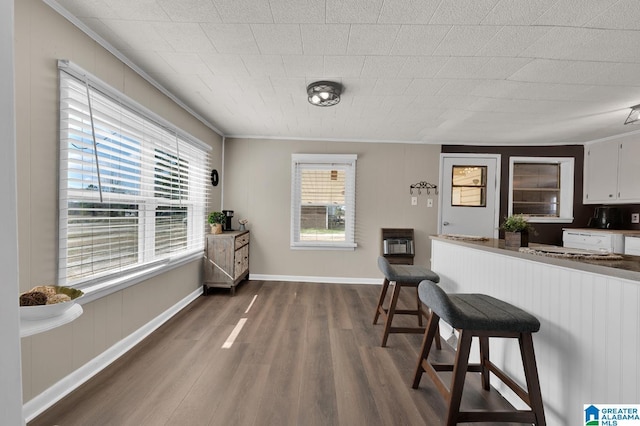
[(242, 240)]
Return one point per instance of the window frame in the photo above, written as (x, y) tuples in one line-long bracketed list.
[(185, 156), (567, 167), (346, 162)]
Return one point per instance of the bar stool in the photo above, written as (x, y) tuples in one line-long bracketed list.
[(482, 316), (403, 276)]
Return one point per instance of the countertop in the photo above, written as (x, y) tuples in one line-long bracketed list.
[(629, 232), (627, 268)]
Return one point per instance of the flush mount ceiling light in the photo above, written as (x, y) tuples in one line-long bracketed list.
[(324, 93), (634, 115)]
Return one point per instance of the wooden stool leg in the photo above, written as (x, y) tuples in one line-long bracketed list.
[(531, 375), (383, 294), (428, 313), (419, 308), (427, 340), (392, 308), (484, 361), (457, 381)]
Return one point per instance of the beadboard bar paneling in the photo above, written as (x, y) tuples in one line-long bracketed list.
[(588, 345)]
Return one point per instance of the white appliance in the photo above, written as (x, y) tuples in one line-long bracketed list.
[(612, 242), (632, 245)]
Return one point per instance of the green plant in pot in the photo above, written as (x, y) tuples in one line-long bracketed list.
[(216, 219), (516, 231)]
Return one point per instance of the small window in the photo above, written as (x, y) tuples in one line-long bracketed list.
[(541, 188), (323, 201), (469, 186)]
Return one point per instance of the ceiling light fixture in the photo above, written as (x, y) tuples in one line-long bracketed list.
[(324, 93), (634, 115)]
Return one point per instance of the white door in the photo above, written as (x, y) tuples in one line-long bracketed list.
[(468, 194)]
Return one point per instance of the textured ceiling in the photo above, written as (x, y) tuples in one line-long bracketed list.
[(433, 71)]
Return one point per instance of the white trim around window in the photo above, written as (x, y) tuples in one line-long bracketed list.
[(133, 187), (323, 194), (565, 213)]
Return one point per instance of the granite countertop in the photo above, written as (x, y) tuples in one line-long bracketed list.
[(625, 266)]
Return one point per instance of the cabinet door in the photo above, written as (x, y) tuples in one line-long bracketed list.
[(629, 171), (601, 172)]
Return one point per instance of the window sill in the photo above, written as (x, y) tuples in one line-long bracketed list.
[(550, 219), (105, 288), (310, 246)]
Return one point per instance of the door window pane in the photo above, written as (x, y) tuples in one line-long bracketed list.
[(469, 186)]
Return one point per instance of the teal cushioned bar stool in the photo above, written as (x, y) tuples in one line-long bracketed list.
[(402, 276), (482, 316)]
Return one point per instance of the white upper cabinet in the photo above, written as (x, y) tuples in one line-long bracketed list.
[(612, 171), (601, 172), (629, 171)]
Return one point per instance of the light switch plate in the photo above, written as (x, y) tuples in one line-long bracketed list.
[(414, 201), (429, 202), (635, 217)]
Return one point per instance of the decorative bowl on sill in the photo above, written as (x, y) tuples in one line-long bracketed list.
[(51, 310)]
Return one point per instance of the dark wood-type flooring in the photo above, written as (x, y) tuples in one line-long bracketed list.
[(307, 355)]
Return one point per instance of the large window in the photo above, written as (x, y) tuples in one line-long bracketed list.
[(323, 201), (132, 189), (541, 188)]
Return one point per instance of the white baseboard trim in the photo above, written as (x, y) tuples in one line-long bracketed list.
[(311, 279), (66, 385)]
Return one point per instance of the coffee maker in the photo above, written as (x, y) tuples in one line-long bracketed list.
[(227, 223), (606, 218)]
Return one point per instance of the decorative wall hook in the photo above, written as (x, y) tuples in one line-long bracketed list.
[(423, 185)]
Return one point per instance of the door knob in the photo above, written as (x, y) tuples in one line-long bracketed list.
[(445, 223)]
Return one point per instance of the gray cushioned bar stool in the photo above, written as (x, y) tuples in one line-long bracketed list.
[(482, 316), (403, 276)]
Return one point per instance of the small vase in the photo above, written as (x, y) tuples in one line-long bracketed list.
[(516, 239), (216, 228)]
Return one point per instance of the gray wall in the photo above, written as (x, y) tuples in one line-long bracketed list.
[(42, 37), (257, 186)]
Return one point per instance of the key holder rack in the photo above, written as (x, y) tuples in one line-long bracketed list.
[(423, 185)]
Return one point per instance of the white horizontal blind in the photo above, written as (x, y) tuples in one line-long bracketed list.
[(536, 189), (323, 200), (132, 191)]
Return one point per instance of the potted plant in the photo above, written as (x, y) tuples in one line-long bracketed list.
[(216, 219), (516, 231)]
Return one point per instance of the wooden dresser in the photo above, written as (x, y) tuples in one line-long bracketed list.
[(226, 260)]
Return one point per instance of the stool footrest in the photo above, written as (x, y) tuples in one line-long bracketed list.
[(417, 330), (473, 368), (496, 416), (408, 312), (522, 394)]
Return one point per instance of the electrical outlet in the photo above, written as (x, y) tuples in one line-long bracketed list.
[(414, 201), (635, 217), (429, 202)]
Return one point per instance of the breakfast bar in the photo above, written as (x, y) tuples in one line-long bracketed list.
[(588, 347)]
